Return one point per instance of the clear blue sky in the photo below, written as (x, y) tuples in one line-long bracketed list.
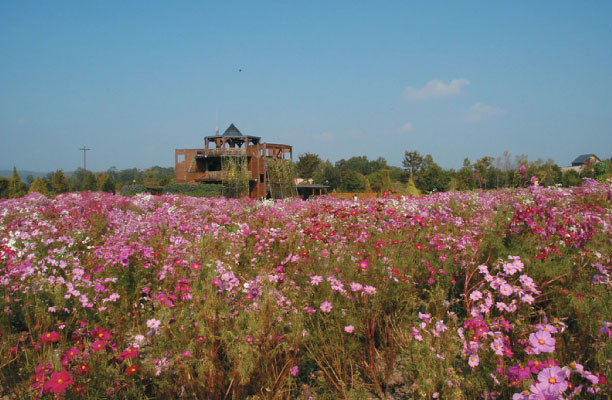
[(135, 80)]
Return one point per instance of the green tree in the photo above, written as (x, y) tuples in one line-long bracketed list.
[(16, 188), (307, 165), (108, 185), (380, 180), (413, 163), (464, 178), (4, 182), (353, 181), (328, 175), (39, 186), (90, 182), (603, 170), (358, 164), (571, 178), (59, 184), (432, 178)]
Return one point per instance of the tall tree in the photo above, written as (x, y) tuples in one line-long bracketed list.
[(16, 188), (307, 165), (4, 187), (39, 186), (413, 162), (90, 182), (59, 182), (328, 175)]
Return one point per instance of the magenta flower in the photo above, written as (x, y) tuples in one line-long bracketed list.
[(50, 337), (542, 342), (326, 306), (295, 370), (59, 382)]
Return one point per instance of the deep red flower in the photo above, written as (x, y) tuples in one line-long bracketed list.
[(50, 337), (81, 369), (59, 382), (132, 369)]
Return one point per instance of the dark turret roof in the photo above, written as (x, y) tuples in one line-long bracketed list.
[(232, 131)]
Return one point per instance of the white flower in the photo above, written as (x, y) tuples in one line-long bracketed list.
[(153, 323)]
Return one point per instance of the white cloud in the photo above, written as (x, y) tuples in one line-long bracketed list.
[(481, 112), (435, 88), (407, 127)]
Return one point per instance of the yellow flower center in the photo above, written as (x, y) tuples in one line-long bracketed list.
[(60, 380), (541, 341), (552, 380)]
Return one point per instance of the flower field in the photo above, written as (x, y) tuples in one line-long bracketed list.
[(498, 294)]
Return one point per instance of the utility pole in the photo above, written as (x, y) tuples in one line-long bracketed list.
[(85, 150)]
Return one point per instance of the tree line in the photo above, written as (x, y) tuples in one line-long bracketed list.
[(419, 173), (111, 180), (422, 173)]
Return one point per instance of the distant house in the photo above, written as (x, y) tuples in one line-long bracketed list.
[(585, 160), (208, 165), (582, 162)]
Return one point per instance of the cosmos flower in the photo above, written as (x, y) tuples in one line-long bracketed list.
[(473, 360), (552, 380), (132, 369), (349, 329), (153, 323), (50, 337), (542, 342), (58, 382), (326, 306)]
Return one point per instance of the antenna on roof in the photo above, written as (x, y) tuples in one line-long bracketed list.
[(217, 123)]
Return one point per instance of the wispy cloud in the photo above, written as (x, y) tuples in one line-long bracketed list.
[(324, 137), (481, 112), (407, 127), (435, 89)]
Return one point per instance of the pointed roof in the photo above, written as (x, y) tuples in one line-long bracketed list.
[(234, 134), (232, 131)]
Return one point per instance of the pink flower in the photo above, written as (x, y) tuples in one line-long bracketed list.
[(371, 290), (505, 289), (355, 287), (473, 360), (553, 380), (349, 329), (326, 306), (542, 342), (364, 265), (476, 295), (315, 280), (295, 370)]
